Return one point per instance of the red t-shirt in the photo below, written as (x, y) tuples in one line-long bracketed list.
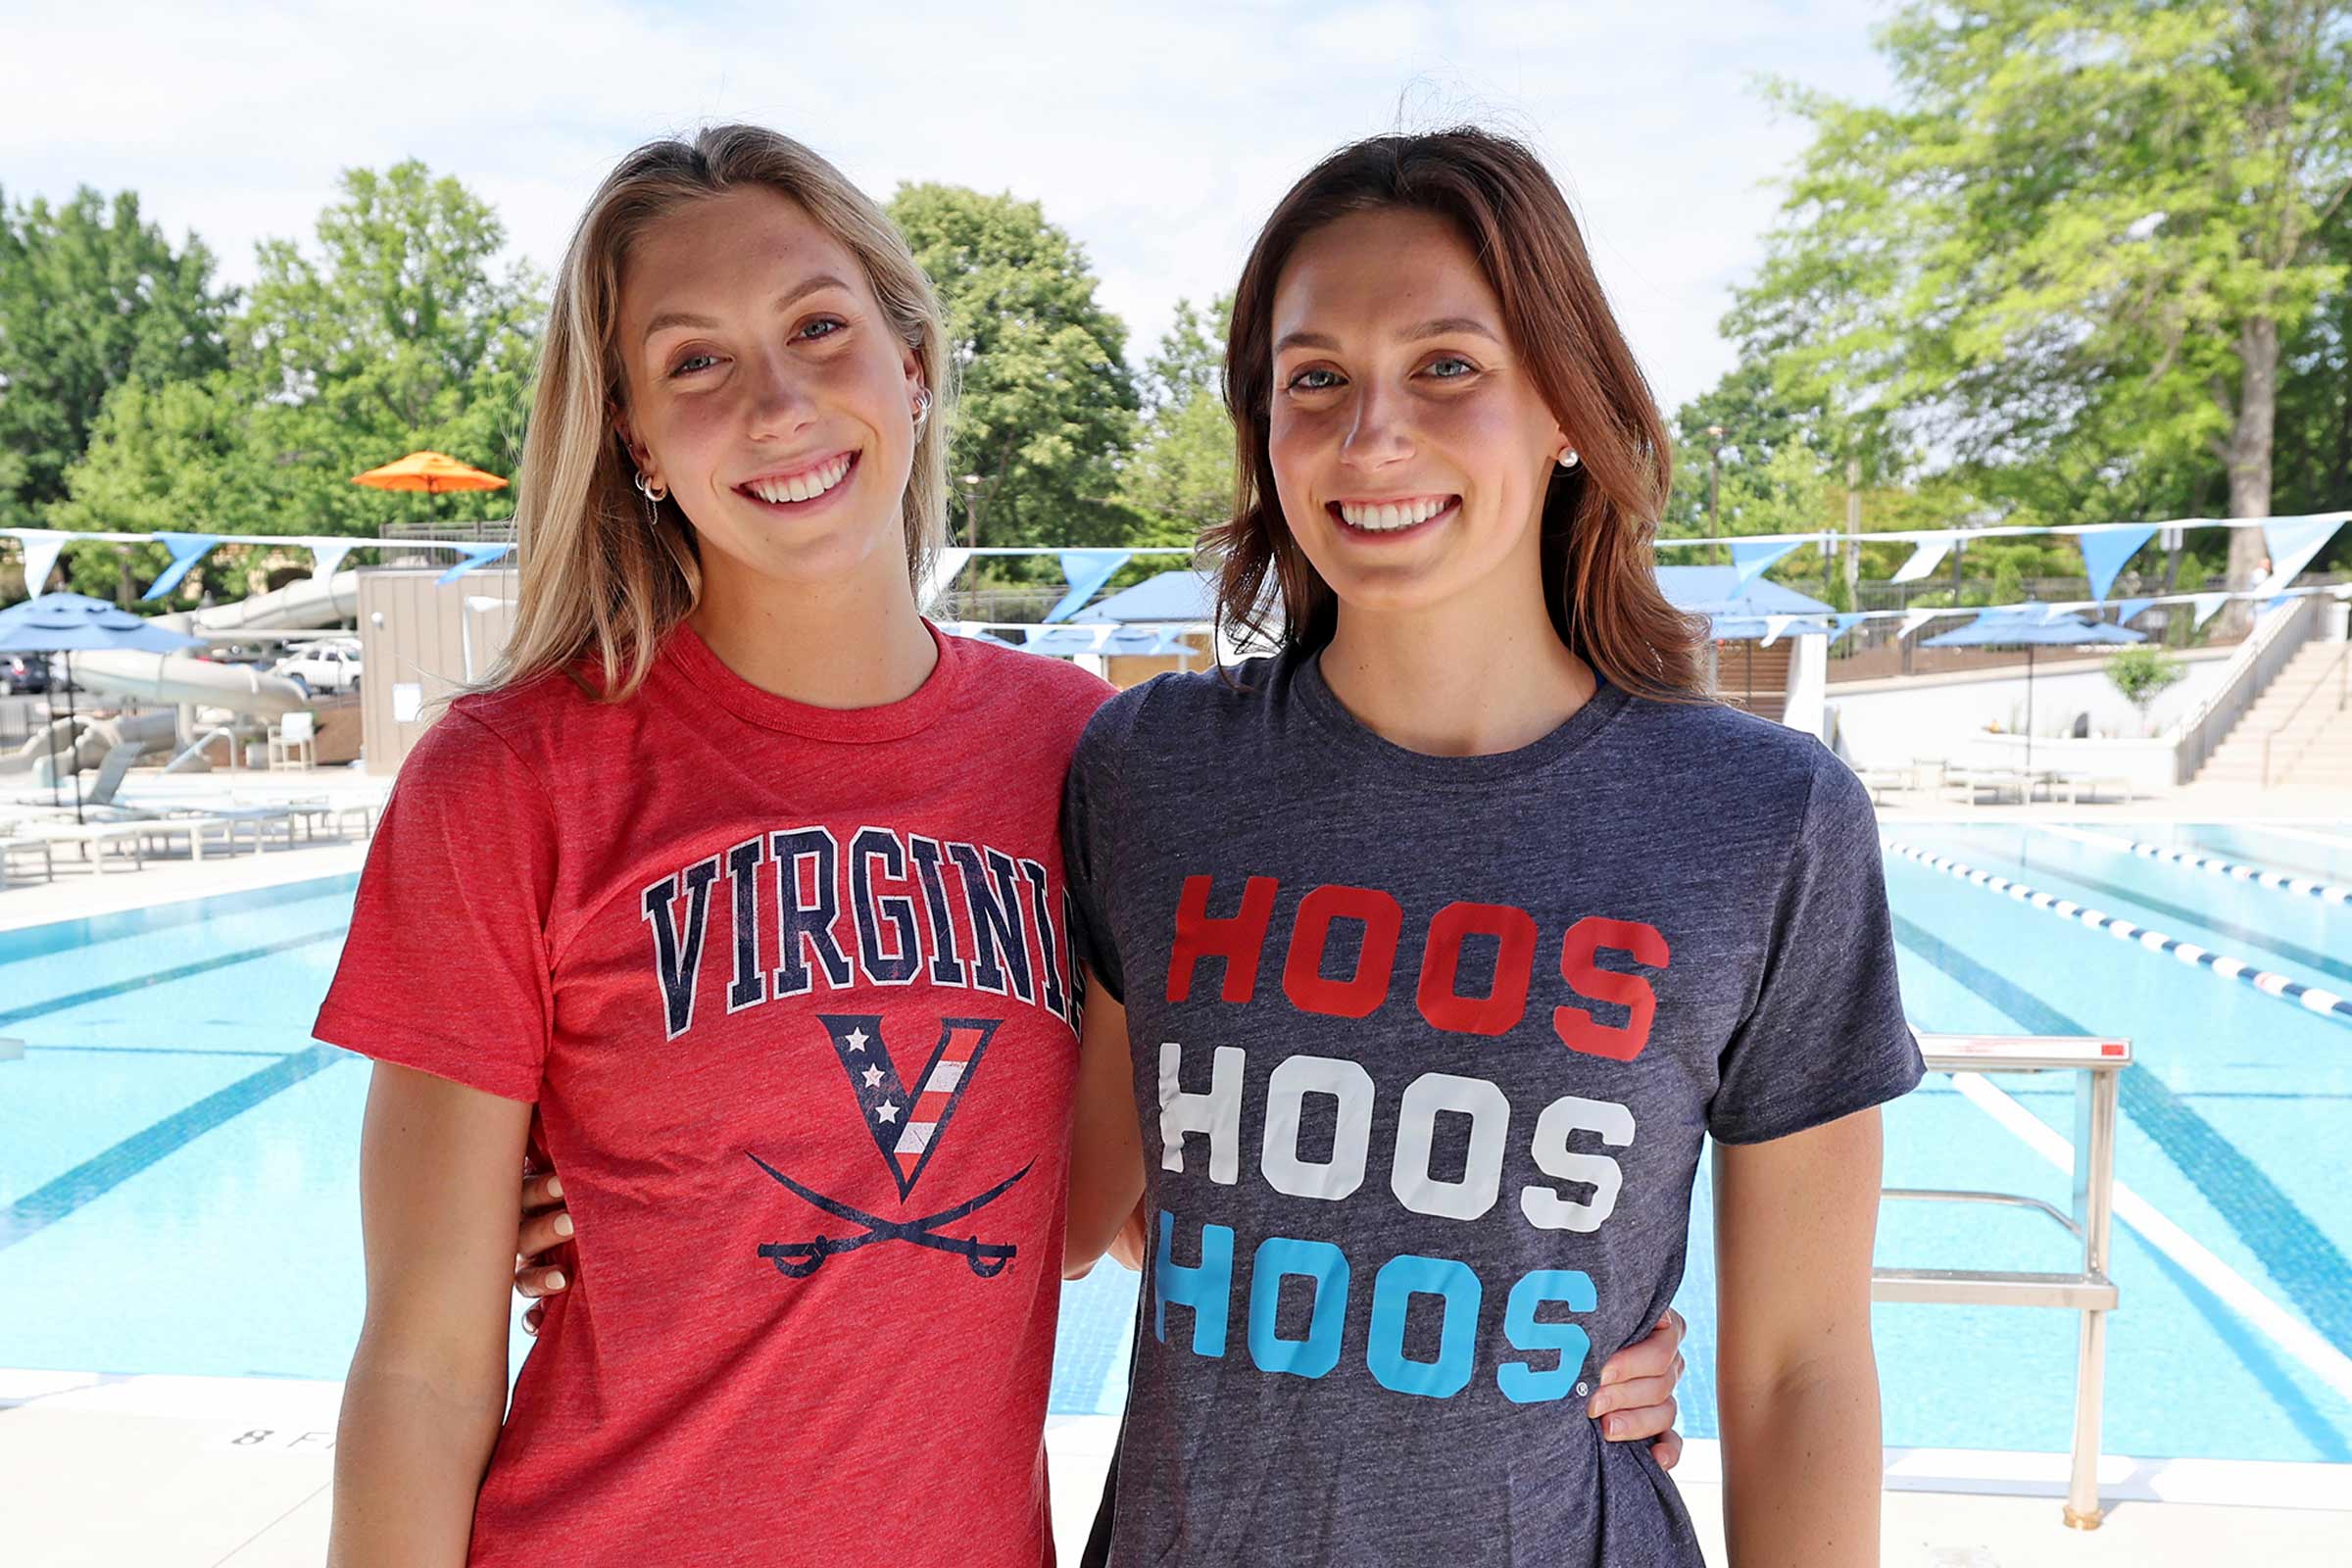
[(793, 991)]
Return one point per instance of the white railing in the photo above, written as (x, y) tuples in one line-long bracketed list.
[(2274, 641), (2088, 1290)]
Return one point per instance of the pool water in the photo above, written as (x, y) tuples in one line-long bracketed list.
[(177, 1158)]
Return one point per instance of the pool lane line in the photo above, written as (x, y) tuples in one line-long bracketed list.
[(111, 1167), (2297, 1339), (2261, 876), (2330, 971), (2326, 1004), (117, 988), (2296, 1255)]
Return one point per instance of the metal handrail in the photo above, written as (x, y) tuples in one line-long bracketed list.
[(2100, 1061), (2274, 635), (2344, 663)]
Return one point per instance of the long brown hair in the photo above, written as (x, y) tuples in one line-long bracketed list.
[(1600, 517)]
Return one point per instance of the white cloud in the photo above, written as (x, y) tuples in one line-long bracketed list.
[(1159, 137)]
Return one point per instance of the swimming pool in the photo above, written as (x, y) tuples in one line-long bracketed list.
[(177, 1158)]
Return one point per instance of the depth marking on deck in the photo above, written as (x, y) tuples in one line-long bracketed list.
[(2326, 1004)]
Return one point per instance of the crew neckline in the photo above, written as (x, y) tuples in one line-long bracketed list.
[(709, 675), (1324, 707)]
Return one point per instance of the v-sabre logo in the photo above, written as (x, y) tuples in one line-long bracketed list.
[(907, 1128)]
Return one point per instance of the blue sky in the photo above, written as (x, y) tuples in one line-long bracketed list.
[(1158, 135)]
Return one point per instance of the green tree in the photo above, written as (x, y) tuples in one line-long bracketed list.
[(398, 332), (1180, 480), (2070, 250), (2142, 674), (1047, 405), (90, 297)]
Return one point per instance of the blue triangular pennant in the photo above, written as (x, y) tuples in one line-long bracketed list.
[(186, 549), (477, 557), (2293, 541), (2106, 549), (1753, 558), (2127, 609), (1086, 571)]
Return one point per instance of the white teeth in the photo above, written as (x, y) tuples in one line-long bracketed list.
[(1390, 516), (803, 486)]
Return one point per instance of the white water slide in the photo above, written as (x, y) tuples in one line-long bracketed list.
[(176, 679), (240, 688)]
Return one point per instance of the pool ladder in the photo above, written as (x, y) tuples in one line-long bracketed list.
[(2099, 1062)]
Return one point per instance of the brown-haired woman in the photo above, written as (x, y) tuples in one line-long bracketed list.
[(1447, 933)]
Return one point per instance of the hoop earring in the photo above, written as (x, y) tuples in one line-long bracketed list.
[(654, 495), (1568, 459), (922, 408)]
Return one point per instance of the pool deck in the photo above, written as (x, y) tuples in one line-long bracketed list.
[(239, 1472)]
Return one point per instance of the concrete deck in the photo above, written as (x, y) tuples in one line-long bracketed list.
[(236, 1473)]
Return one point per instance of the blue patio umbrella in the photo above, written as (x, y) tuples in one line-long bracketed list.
[(68, 623), (2026, 629)]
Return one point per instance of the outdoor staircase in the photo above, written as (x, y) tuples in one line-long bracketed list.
[(2299, 730)]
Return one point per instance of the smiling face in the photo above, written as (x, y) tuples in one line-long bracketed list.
[(770, 393), (1411, 451)]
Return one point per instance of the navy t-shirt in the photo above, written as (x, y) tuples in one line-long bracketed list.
[(1425, 1051)]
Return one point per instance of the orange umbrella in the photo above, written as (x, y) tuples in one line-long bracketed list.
[(433, 472)]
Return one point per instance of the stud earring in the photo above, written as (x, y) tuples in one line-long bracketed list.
[(1568, 458)]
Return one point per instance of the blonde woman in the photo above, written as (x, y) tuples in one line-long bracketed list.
[(737, 902), (737, 905)]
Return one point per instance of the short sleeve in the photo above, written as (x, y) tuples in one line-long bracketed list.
[(1827, 1036), (445, 969), (1092, 811)]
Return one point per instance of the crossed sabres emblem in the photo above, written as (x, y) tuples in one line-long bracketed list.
[(906, 1129)]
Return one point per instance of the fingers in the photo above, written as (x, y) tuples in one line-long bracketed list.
[(533, 1313), (1668, 1450), (542, 1190), (1652, 1417), (542, 1232), (1651, 1355), (535, 1283)]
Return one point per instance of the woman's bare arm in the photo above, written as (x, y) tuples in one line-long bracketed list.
[(438, 1170), (1795, 1378), (1107, 1144)]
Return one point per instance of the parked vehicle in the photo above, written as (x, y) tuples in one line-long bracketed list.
[(323, 667), (25, 674)]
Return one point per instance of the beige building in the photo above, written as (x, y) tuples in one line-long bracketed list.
[(421, 642)]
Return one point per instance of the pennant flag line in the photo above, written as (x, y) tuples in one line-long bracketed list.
[(41, 547), (2106, 551), (1085, 570), (476, 557), (2292, 542), (1751, 558), (186, 549), (1926, 559)]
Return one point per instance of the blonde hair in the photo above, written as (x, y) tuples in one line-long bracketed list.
[(596, 578)]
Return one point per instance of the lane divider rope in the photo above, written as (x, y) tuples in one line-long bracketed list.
[(2261, 876), (2326, 1004)]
